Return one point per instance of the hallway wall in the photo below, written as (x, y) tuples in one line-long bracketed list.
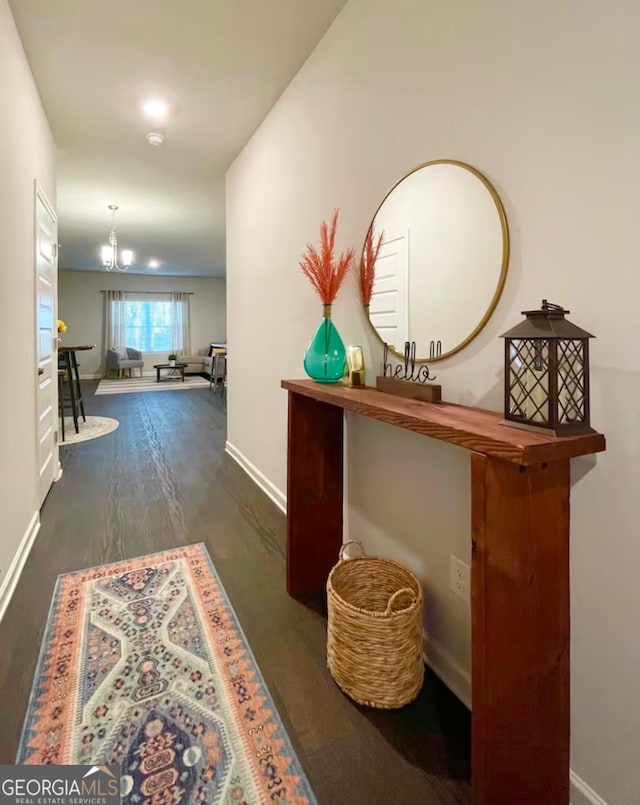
[(542, 97), (26, 155), (82, 309)]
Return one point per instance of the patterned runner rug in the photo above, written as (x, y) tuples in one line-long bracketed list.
[(144, 665)]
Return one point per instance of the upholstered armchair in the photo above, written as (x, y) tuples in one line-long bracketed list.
[(120, 359)]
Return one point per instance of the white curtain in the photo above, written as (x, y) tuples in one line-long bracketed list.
[(181, 322), (114, 335)]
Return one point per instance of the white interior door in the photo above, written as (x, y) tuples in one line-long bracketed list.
[(46, 262), (389, 308)]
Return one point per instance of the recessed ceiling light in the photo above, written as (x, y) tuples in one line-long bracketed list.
[(154, 264), (154, 138), (155, 108)]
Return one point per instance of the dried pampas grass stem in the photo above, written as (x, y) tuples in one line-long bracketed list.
[(368, 264), (326, 272)]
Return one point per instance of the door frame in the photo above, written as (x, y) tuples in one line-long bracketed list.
[(40, 196)]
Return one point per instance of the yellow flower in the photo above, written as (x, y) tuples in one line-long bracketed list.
[(62, 327)]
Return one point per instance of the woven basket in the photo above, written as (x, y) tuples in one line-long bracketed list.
[(374, 641)]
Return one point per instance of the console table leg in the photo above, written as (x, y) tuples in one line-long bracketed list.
[(520, 619), (314, 493)]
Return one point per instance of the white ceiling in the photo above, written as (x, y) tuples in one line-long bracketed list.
[(220, 64)]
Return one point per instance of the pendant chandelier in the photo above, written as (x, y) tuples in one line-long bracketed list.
[(110, 252)]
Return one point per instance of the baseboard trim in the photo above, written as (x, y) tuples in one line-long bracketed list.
[(58, 473), (446, 668), (270, 489), (583, 794), (8, 586)]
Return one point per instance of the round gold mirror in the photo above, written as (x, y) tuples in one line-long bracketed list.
[(442, 260)]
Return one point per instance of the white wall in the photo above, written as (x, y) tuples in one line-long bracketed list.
[(26, 155), (542, 97), (81, 307)]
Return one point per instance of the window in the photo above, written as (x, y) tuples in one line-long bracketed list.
[(150, 323)]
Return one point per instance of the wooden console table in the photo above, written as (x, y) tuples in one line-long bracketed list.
[(519, 570)]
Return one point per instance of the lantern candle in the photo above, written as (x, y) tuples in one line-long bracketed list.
[(547, 373), (537, 384)]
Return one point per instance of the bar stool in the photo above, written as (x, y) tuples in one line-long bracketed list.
[(218, 369), (67, 401)]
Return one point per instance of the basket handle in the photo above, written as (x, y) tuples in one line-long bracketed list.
[(396, 596), (346, 545)]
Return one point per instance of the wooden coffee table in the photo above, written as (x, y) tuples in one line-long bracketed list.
[(179, 366)]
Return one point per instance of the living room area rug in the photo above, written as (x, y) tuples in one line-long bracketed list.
[(130, 385), (144, 665)]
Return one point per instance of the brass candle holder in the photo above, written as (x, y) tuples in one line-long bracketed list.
[(355, 362)]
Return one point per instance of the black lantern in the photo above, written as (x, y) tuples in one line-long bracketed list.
[(546, 360)]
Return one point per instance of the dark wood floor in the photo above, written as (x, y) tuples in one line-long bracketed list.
[(162, 479)]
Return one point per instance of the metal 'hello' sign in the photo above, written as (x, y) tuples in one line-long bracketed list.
[(407, 370)]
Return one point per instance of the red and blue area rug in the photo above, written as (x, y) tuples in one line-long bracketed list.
[(145, 666)]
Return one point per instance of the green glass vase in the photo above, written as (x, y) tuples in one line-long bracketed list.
[(326, 356)]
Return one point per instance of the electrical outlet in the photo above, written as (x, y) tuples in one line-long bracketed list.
[(459, 578)]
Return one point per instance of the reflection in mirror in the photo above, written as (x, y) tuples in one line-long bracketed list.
[(442, 261)]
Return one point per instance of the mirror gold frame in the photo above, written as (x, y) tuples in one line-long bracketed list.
[(503, 268)]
